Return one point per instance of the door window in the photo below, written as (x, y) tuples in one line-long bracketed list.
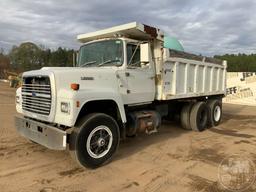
[(133, 55)]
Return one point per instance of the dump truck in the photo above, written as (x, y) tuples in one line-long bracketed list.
[(124, 84)]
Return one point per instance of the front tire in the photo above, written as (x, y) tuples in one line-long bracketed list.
[(95, 140)]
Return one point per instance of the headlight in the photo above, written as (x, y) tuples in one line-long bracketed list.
[(65, 107), (17, 99)]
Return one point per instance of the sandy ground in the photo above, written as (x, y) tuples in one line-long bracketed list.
[(171, 160)]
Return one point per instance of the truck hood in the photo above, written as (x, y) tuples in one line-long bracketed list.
[(90, 78)]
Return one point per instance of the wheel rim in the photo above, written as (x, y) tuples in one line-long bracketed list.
[(217, 113), (99, 142)]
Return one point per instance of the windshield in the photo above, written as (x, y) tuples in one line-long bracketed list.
[(101, 53)]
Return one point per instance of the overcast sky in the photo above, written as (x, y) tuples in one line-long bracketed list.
[(202, 26)]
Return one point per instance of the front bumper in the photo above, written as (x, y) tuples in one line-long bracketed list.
[(46, 135)]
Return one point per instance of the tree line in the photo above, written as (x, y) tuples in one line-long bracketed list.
[(29, 56), (239, 62)]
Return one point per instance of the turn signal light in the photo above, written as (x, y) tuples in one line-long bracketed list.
[(74, 86)]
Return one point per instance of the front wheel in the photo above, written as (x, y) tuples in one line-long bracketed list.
[(95, 140)]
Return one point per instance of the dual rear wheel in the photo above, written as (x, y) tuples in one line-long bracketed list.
[(200, 115)]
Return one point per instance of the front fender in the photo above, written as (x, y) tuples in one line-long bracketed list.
[(84, 96), (99, 96)]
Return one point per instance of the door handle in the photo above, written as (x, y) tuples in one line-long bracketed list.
[(127, 74)]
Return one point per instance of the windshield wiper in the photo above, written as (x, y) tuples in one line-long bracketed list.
[(108, 61), (88, 63)]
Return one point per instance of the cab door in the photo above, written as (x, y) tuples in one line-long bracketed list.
[(140, 78)]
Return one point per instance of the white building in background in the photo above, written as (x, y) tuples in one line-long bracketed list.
[(241, 88)]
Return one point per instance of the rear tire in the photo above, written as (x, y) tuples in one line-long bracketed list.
[(199, 116), (215, 112), (95, 140), (185, 116)]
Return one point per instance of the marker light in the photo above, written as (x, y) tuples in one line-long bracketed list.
[(74, 86), (77, 104)]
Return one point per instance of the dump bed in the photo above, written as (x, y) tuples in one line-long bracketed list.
[(187, 76)]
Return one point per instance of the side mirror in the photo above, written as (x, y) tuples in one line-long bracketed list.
[(144, 53)]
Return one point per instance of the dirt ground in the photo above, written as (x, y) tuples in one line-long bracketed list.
[(170, 160)]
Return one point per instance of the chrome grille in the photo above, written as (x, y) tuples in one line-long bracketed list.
[(36, 95)]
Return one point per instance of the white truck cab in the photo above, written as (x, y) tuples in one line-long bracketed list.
[(125, 82)]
